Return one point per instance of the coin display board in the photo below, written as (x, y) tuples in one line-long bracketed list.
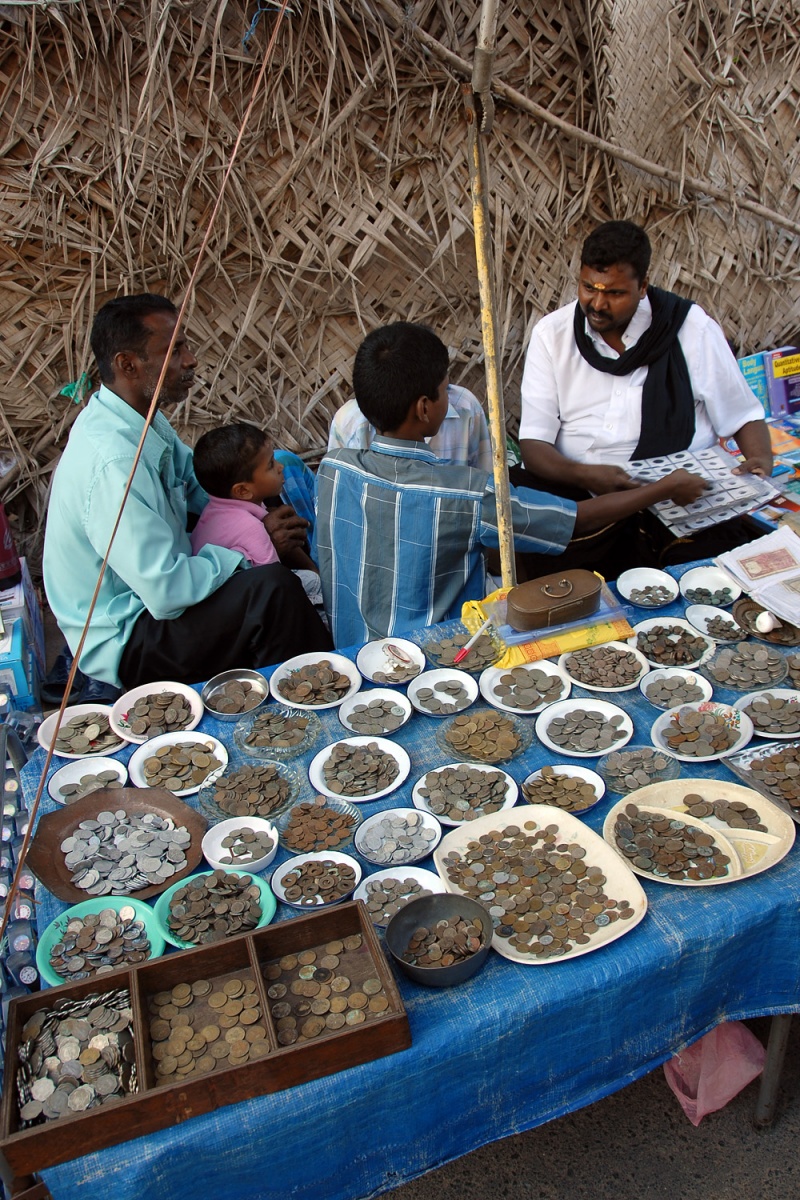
[(162, 1101)]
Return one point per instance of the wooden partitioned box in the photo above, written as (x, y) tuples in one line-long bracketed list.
[(254, 1014)]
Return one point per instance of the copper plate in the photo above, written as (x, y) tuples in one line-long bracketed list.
[(746, 611), (46, 859)]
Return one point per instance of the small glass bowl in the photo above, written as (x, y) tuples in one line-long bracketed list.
[(339, 806), (208, 805), (523, 730), (431, 643), (245, 725), (623, 771)]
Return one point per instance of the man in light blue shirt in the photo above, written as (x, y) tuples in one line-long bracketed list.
[(161, 612)]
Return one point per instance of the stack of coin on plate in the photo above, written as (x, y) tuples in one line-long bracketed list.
[(323, 989), (651, 596), (482, 654), (181, 766), (252, 791), (793, 667), (744, 666), (163, 712), (318, 881), (376, 717), (628, 770), (319, 683), (699, 734), (87, 734), (484, 735), (671, 645), (244, 846), (445, 697), (236, 696), (359, 770), (317, 825), (723, 628), (666, 847), (97, 943), (733, 813), (277, 730), (463, 793), (118, 853), (774, 714), (445, 943), (568, 792), (212, 907), (604, 667), (77, 1055), (206, 1025), (527, 688), (586, 730), (778, 773), (388, 895), (721, 597), (400, 666), (396, 838), (667, 693), (70, 792)]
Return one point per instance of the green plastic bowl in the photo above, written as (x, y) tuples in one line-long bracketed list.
[(161, 910), (54, 930)]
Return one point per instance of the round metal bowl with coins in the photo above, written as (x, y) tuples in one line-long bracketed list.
[(701, 732), (612, 667), (583, 728), (95, 937), (775, 712), (442, 692), (182, 763), (154, 708), (571, 788), (647, 587), (277, 732), (76, 779), (671, 642), (212, 906), (390, 661), (241, 844), (524, 689), (386, 892), (359, 769), (324, 823), (316, 880), (315, 680), (251, 789), (85, 731), (484, 735), (231, 694), (460, 792), (375, 712), (665, 687), (440, 940), (398, 837)]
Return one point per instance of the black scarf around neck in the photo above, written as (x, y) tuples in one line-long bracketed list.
[(667, 398)]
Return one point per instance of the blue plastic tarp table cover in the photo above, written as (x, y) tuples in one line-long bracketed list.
[(512, 1048)]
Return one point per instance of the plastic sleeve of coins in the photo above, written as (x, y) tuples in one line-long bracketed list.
[(586, 730), (75, 1056), (482, 654), (97, 943), (70, 792), (526, 688), (206, 1025), (745, 667), (666, 693), (89, 733), (376, 717), (604, 666), (316, 825), (733, 813), (699, 734), (319, 991), (540, 891), (359, 770), (671, 645), (277, 730), (667, 848), (774, 714), (237, 696), (163, 712), (568, 792), (318, 683), (778, 774), (215, 907), (394, 839), (447, 942), (463, 793), (252, 791), (118, 853), (387, 896), (321, 881), (180, 766), (487, 736)]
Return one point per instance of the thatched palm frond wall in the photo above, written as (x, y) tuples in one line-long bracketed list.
[(349, 203)]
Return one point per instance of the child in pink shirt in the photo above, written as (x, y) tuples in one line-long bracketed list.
[(236, 465)]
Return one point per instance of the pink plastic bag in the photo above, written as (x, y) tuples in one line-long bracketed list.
[(714, 1069)]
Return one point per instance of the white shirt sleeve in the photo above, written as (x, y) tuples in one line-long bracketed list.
[(717, 382), (539, 408)]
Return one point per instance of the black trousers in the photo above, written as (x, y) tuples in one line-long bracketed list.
[(258, 617)]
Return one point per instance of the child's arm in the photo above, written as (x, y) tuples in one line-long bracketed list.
[(680, 486), (299, 560)]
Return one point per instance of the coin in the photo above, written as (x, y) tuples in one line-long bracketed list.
[(568, 792), (397, 838), (746, 667), (180, 766), (697, 734), (359, 770), (279, 730), (235, 696), (98, 943), (388, 896), (586, 731), (252, 791), (209, 908), (484, 735), (89, 733), (463, 793), (444, 697), (604, 667), (317, 683), (774, 714), (160, 712), (244, 846), (528, 688), (118, 853), (671, 645), (316, 825), (482, 653), (88, 783), (666, 693), (662, 845), (651, 596), (444, 944), (318, 881), (376, 717)]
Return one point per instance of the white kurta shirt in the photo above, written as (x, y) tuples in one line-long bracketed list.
[(592, 417)]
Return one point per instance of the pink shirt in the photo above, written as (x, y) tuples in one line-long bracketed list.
[(237, 525)]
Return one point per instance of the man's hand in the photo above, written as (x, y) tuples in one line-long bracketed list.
[(685, 488), (287, 530), (755, 466), (603, 479)]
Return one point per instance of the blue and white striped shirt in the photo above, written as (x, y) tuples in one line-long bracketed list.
[(399, 534)]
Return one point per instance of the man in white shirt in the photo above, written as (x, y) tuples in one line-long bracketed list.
[(629, 372)]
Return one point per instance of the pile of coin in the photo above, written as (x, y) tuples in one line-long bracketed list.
[(671, 645), (161, 712), (793, 667), (651, 596), (446, 943), (316, 825), (745, 667), (723, 628), (482, 654), (277, 730), (604, 666), (212, 907), (77, 1055), (201, 1026), (236, 696), (463, 793), (400, 666), (774, 714), (318, 683), (668, 848), (89, 783), (118, 853), (721, 597), (666, 693), (699, 734), (359, 770), (628, 770), (87, 734), (245, 846), (252, 792), (568, 792), (181, 766), (527, 688), (376, 717), (586, 731), (318, 881), (432, 699), (734, 813), (387, 896), (538, 886), (324, 989), (100, 942), (484, 735), (778, 773), (396, 838)]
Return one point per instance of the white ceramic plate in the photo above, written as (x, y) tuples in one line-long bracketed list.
[(491, 676), (576, 772), (203, 741), (563, 707), (781, 694), (644, 667), (734, 867), (420, 801), (620, 881), (733, 717), (338, 661), (427, 820), (46, 730), (430, 679), (376, 656), (73, 772), (699, 615), (642, 577), (652, 622), (213, 848), (121, 708), (280, 873), (658, 673), (712, 578), (366, 697), (426, 879), (400, 756)]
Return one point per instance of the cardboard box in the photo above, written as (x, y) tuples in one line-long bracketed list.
[(22, 601)]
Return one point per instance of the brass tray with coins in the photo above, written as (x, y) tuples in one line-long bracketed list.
[(218, 995), (46, 859)]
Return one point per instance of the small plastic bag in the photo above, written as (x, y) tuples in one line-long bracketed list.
[(714, 1069)]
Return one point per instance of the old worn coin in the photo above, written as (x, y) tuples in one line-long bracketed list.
[(70, 792), (568, 792), (627, 770), (100, 942), (482, 654), (359, 770), (528, 688), (202, 1036), (212, 907), (244, 846), (447, 942), (319, 881), (733, 813), (315, 825), (774, 714), (720, 597), (376, 717), (745, 667), (89, 733), (161, 712), (252, 791), (586, 730), (396, 838), (671, 645), (277, 730), (699, 734), (604, 667), (442, 698), (651, 596), (180, 766), (236, 696), (665, 847), (117, 853), (387, 896), (674, 690), (318, 683), (308, 1010), (484, 735), (463, 793)]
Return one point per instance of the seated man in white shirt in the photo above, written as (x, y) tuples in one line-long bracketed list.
[(630, 372)]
